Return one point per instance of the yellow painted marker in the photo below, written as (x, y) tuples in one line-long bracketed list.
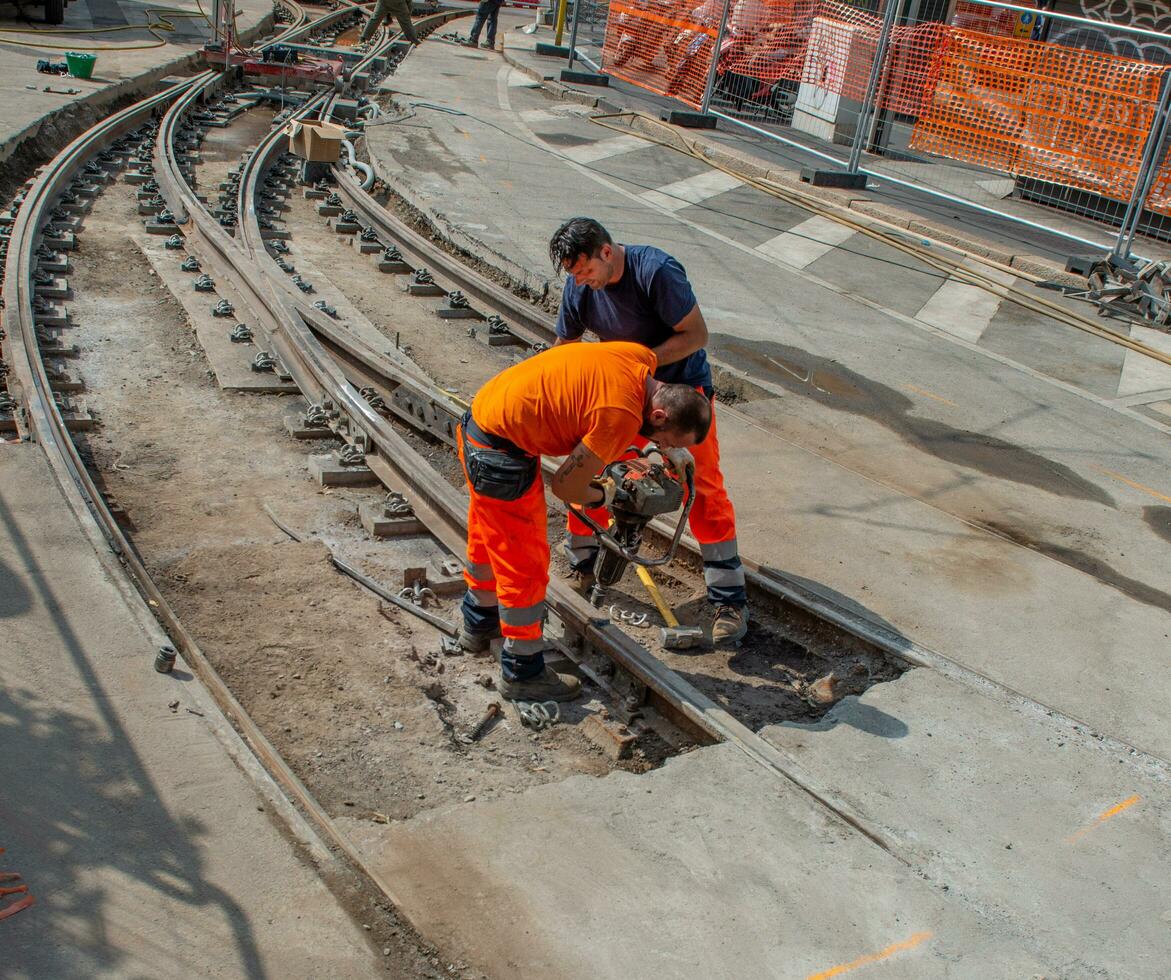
[(1131, 483), (883, 954), (1103, 817), (928, 394)]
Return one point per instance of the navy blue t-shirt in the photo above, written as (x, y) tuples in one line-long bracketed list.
[(643, 307)]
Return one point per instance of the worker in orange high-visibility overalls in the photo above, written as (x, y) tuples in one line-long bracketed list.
[(584, 403), (640, 293)]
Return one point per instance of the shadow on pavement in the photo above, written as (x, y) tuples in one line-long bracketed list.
[(79, 807)]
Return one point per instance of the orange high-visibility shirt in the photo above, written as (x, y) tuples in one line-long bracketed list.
[(588, 393)]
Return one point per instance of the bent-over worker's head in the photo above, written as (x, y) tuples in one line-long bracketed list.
[(584, 249), (678, 416)]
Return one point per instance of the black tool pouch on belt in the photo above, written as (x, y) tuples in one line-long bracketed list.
[(495, 473)]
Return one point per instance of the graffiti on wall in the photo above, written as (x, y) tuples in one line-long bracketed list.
[(1145, 14)]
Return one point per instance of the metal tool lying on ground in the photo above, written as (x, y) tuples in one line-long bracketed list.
[(645, 490)]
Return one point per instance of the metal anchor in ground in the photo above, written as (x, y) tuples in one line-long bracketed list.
[(375, 400), (42, 278), (165, 218), (391, 254), (316, 417), (458, 301), (241, 334), (348, 218), (396, 505), (223, 308), (538, 347), (285, 266), (204, 284), (497, 325), (174, 242), (418, 593), (325, 308), (263, 361), (150, 187), (422, 277), (334, 200), (278, 246), (368, 235), (303, 284), (189, 264), (350, 455)]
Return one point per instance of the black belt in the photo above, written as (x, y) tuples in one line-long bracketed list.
[(473, 431)]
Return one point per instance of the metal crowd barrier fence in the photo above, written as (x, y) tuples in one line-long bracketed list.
[(999, 106)]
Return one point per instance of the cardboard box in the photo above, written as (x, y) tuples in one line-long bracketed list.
[(317, 141)]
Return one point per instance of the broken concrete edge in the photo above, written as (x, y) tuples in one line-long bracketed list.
[(1026, 264), (69, 120)]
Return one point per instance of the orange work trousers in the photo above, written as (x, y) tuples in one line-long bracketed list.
[(508, 558), (712, 519)]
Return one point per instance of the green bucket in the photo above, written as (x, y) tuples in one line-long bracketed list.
[(80, 65)]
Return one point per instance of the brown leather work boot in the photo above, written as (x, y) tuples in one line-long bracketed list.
[(546, 686), (729, 626)]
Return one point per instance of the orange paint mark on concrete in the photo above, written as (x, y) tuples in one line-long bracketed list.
[(1103, 817), (1131, 483), (928, 394), (883, 954)]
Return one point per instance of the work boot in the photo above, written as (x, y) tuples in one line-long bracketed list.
[(546, 686), (729, 626), (581, 579), (469, 42), (474, 642), (487, 44)]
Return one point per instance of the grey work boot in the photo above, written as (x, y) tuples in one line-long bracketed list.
[(729, 626), (581, 579), (546, 686), (474, 642)]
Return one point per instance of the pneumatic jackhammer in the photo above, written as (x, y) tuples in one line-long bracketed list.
[(645, 489)]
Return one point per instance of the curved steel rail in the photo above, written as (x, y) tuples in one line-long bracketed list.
[(444, 510), (39, 417)]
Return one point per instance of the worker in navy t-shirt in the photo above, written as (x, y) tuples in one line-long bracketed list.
[(640, 293)]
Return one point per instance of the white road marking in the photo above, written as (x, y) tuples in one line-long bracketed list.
[(1142, 373), (807, 242), (963, 310), (589, 152), (691, 190)]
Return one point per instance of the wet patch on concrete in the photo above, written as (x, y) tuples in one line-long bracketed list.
[(1159, 520), (1094, 567), (837, 387)]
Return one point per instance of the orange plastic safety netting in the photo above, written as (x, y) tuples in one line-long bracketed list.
[(1073, 117), (666, 46), (663, 45)]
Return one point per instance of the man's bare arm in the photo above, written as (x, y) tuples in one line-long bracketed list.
[(690, 334), (571, 482)]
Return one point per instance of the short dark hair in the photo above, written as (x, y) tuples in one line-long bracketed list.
[(577, 237), (688, 410)]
